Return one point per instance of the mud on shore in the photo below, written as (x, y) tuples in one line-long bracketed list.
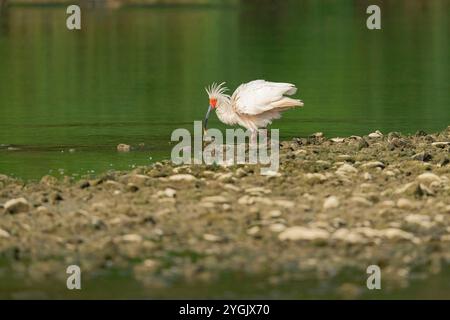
[(336, 204)]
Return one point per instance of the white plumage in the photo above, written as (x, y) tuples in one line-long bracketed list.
[(253, 105)]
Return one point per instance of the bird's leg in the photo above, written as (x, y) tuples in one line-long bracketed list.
[(254, 137)]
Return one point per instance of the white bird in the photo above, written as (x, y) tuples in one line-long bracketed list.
[(253, 105)]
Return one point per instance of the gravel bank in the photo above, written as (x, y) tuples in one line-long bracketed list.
[(337, 204)]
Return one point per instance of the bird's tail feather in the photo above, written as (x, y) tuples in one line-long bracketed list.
[(287, 103)]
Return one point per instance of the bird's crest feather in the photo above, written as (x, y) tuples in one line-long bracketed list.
[(215, 89)]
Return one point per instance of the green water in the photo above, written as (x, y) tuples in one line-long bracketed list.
[(134, 75)]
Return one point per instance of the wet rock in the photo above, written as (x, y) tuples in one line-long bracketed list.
[(331, 203), (17, 205), (301, 233), (123, 147)]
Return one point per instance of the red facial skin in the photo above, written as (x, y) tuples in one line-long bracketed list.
[(213, 103)]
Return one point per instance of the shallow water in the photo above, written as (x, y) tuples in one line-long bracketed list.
[(133, 75)]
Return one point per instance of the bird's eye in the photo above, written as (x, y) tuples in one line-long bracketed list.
[(213, 102)]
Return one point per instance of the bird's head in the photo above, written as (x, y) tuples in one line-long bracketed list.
[(216, 93)]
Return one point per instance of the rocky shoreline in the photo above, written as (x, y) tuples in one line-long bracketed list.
[(336, 204)]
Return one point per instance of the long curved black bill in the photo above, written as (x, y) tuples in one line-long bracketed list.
[(205, 123)]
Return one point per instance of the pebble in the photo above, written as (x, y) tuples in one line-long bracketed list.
[(122, 147), (348, 236), (169, 192), (346, 169), (428, 178), (376, 134), (211, 237), (4, 233), (419, 219), (277, 227), (373, 164), (314, 178), (215, 199), (361, 201), (17, 205), (301, 233), (441, 144), (331, 202), (132, 238), (182, 177), (405, 204), (253, 230), (422, 156)]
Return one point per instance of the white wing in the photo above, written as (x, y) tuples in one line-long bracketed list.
[(259, 96)]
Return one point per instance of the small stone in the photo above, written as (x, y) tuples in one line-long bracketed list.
[(83, 184), (362, 143), (396, 234), (182, 177), (4, 233), (337, 140), (138, 179), (367, 176), (317, 135), (346, 235), (441, 144), (284, 203), (132, 238), (169, 192), (361, 201), (302, 233), (123, 147), (331, 203), (376, 134), (49, 180), (387, 204), (420, 220), (277, 227), (373, 164), (314, 178), (215, 199), (428, 178), (253, 231), (211, 237), (17, 205), (346, 169), (422, 156), (405, 204)]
